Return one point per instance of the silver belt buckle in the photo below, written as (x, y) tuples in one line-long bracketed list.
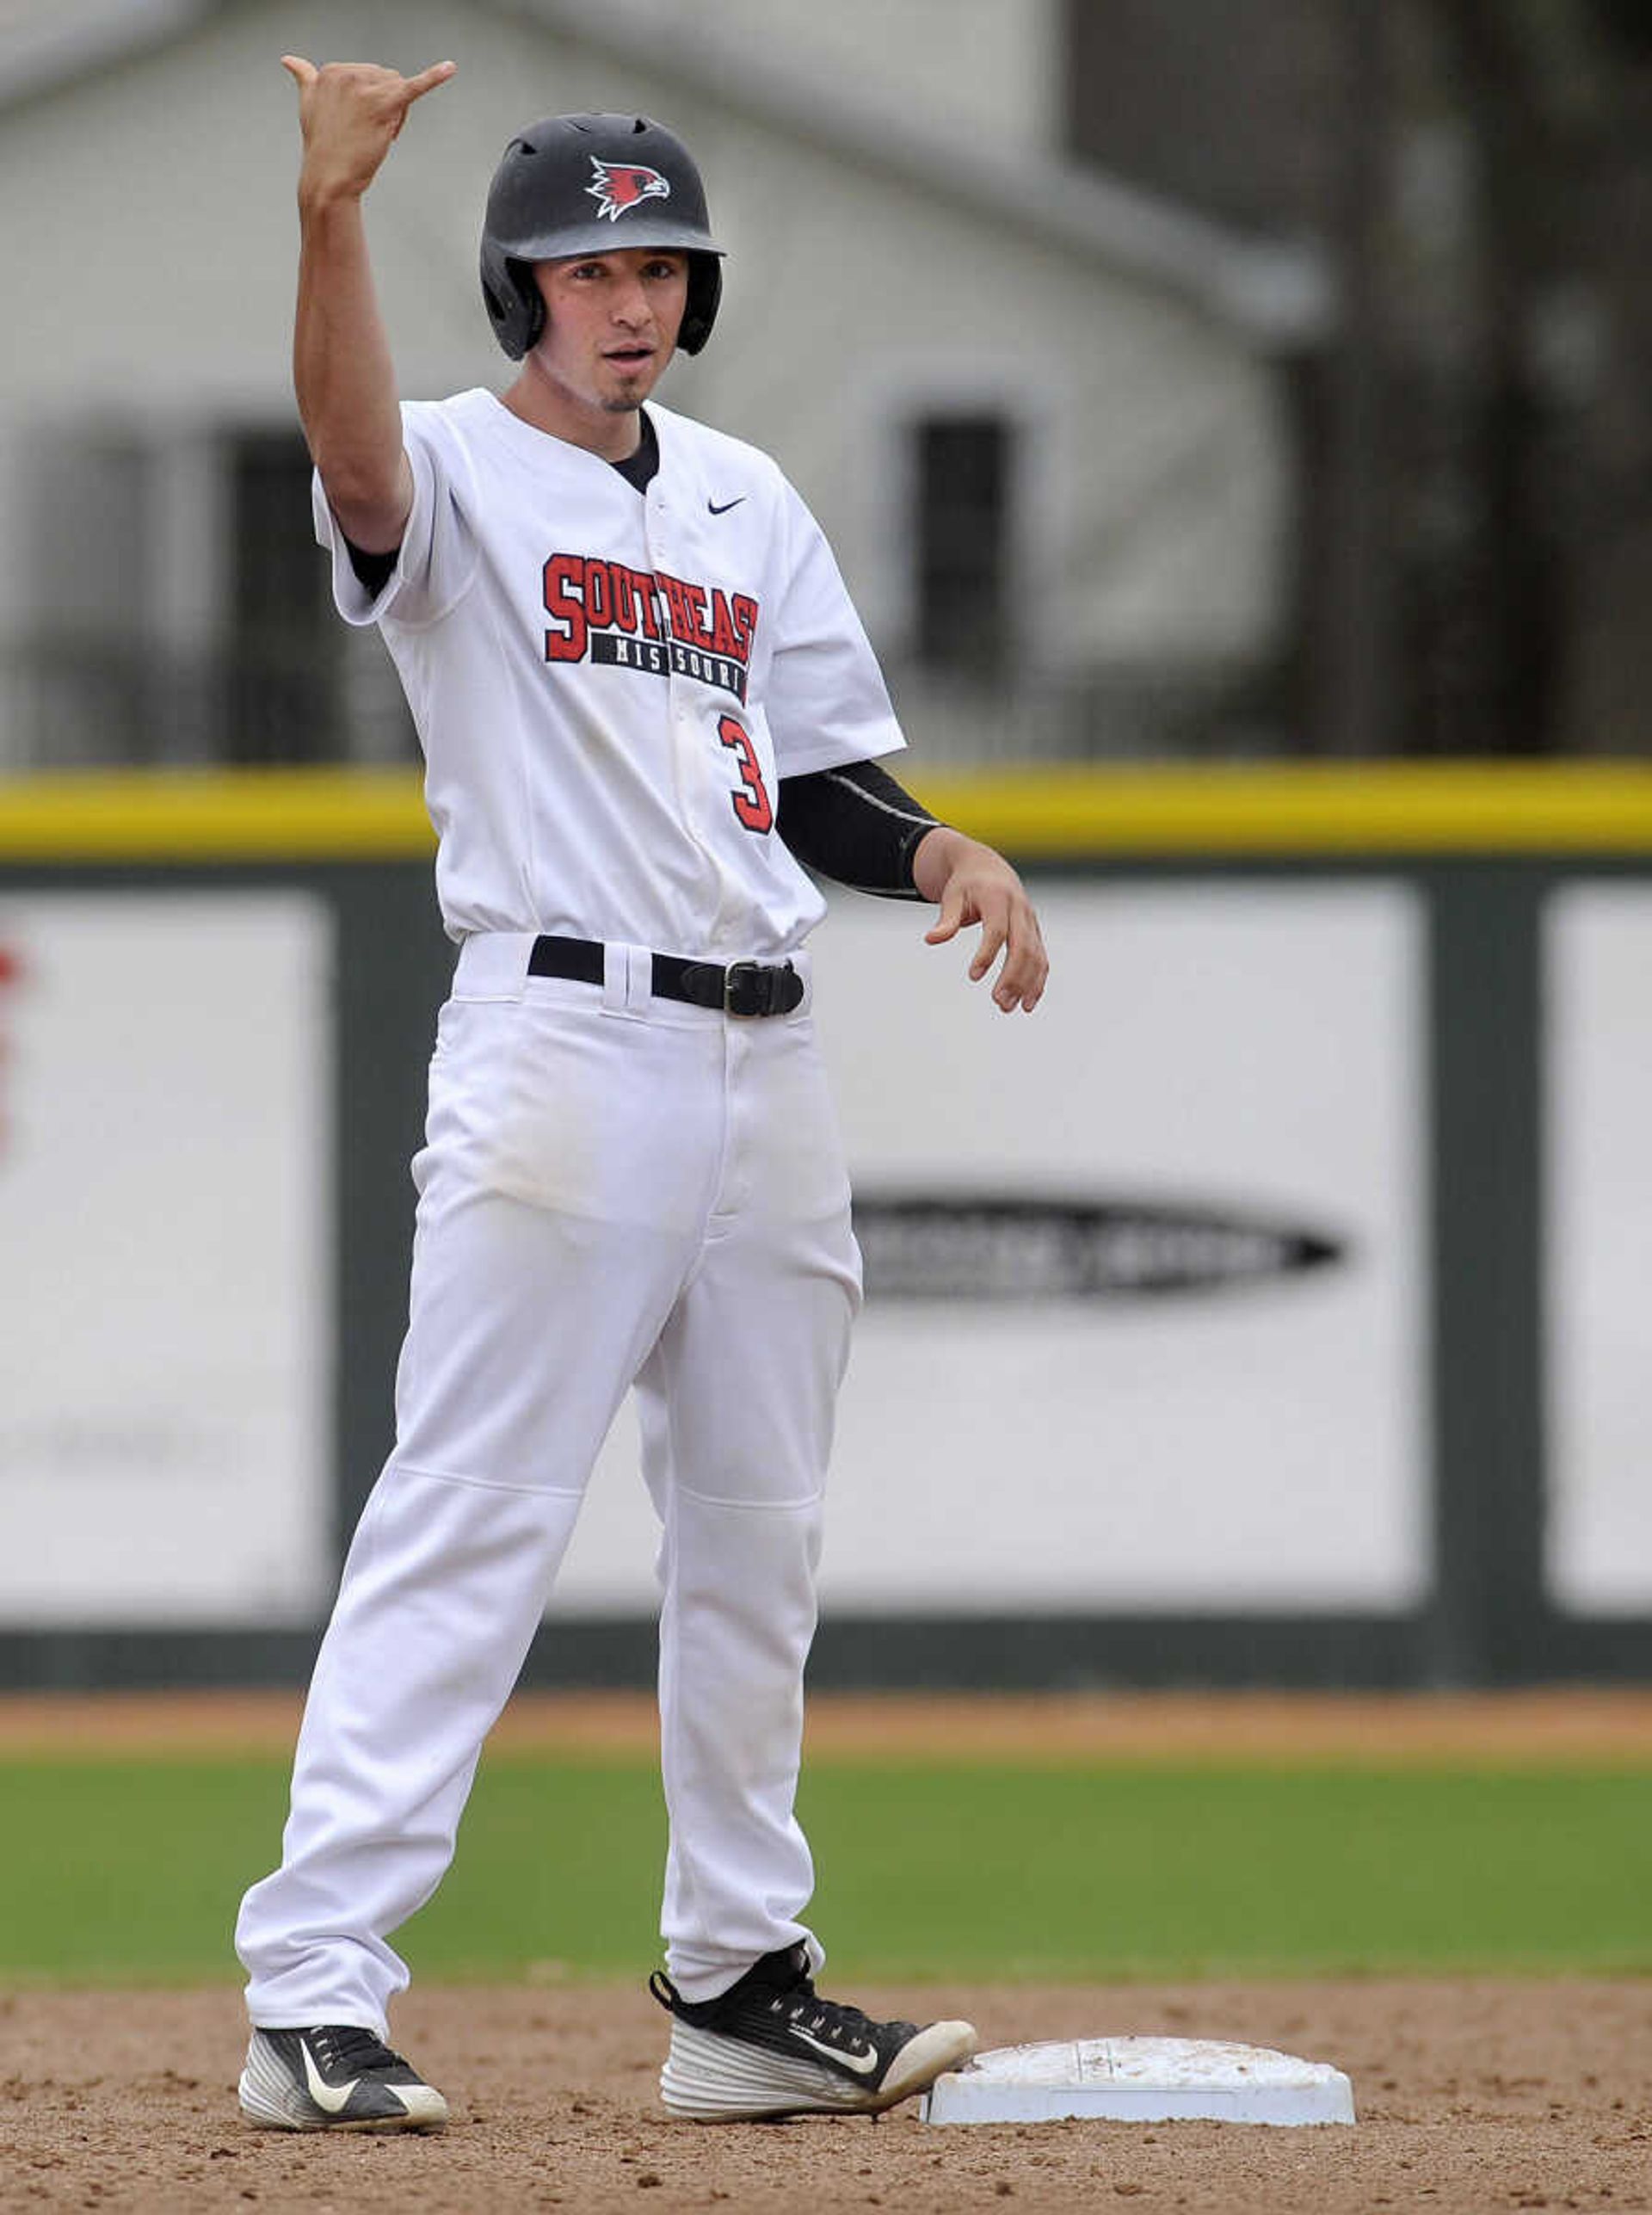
[(735, 971)]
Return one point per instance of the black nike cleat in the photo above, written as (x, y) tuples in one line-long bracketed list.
[(770, 2046), (334, 2077)]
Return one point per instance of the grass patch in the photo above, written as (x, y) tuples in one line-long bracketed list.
[(1155, 1872), (130, 1870)]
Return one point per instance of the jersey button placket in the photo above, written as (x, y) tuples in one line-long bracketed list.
[(679, 715), (696, 778)]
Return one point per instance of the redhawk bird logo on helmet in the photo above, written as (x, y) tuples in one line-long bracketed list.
[(617, 186)]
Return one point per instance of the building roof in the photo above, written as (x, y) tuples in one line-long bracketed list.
[(1278, 291)]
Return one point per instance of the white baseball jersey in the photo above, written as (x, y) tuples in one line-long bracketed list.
[(609, 685), (614, 1189)]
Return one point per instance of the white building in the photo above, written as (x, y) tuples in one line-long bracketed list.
[(1041, 416)]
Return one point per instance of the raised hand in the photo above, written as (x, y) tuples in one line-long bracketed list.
[(349, 114)]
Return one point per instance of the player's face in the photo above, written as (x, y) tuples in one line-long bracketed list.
[(611, 322)]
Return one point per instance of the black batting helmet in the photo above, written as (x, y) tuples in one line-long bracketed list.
[(585, 184)]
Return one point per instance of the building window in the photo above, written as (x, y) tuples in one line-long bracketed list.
[(961, 538), (282, 703), (177, 609), (301, 685)]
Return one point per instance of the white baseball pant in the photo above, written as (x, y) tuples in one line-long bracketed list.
[(614, 1190)]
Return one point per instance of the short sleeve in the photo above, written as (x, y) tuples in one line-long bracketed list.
[(437, 559), (826, 700)]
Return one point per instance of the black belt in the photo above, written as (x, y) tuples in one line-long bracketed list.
[(744, 988)]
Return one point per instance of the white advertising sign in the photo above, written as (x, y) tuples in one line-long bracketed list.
[(165, 1262), (1146, 1325), (1598, 1237)]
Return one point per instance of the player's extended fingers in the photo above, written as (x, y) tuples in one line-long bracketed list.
[(429, 79), (994, 934), (410, 88), (1027, 967), (303, 73)]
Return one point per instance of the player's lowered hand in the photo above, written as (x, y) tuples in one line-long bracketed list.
[(350, 114), (974, 884)]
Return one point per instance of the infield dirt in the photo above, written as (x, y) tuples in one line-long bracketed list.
[(1472, 2094), (1475, 2096)]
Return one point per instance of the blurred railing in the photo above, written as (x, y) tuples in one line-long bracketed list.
[(1210, 710), (71, 702)]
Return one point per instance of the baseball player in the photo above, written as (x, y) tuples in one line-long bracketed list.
[(645, 700)]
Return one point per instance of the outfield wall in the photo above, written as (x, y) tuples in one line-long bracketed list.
[(1269, 1307)]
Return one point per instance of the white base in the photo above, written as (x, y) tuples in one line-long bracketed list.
[(1140, 2080)]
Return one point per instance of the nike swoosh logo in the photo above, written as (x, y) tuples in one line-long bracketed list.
[(726, 505), (332, 2098), (861, 2064)]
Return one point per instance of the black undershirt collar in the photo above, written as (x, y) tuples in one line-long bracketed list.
[(640, 469)]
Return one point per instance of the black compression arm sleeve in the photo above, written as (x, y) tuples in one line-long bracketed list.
[(856, 825)]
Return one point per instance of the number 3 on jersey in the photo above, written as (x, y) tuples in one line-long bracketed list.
[(752, 805)]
